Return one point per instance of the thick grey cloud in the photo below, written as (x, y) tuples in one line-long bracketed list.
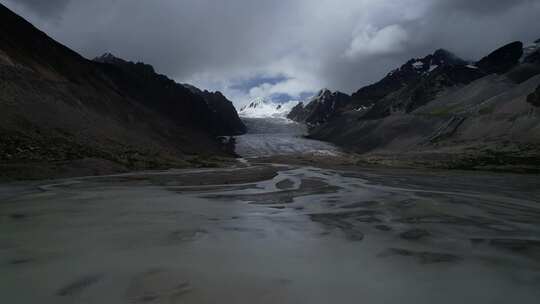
[(46, 8), (481, 7), (228, 45)]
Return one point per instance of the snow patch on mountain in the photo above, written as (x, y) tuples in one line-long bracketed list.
[(418, 65), (433, 67)]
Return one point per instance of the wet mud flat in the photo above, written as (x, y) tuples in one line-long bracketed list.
[(272, 234)]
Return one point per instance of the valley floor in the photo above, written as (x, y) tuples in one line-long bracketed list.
[(268, 233)]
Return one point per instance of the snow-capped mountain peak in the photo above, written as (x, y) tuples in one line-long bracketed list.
[(264, 108)]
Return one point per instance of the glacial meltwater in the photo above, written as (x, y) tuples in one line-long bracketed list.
[(272, 234)]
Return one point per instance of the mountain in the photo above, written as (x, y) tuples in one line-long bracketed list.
[(441, 111), (407, 74), (403, 89), (61, 114), (264, 108), (224, 116), (415, 82), (320, 108), (209, 111)]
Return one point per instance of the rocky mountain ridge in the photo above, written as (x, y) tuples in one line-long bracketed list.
[(445, 112), (415, 78)]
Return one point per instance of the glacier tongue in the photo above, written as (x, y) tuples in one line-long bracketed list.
[(279, 136)]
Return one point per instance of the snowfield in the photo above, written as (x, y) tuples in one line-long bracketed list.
[(263, 108)]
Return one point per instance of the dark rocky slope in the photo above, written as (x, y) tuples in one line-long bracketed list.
[(452, 114), (61, 114)]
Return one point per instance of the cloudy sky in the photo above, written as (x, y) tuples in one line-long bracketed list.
[(281, 49)]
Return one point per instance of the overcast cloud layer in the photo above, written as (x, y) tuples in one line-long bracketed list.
[(251, 48)]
